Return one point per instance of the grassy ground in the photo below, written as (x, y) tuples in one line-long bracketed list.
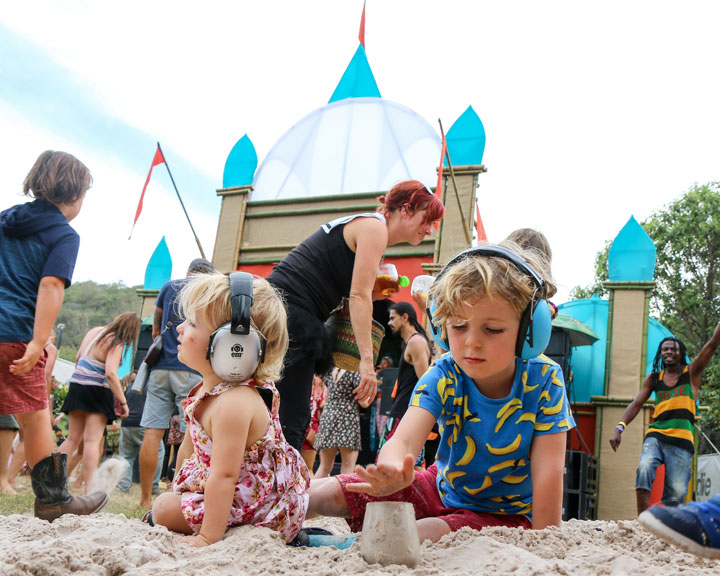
[(119, 503)]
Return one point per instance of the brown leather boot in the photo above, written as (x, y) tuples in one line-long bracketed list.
[(52, 498)]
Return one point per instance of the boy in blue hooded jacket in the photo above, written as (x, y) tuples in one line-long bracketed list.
[(38, 249)]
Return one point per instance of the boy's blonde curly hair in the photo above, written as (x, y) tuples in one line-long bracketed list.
[(207, 296), (491, 276)]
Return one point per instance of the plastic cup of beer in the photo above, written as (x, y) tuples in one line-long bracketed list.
[(421, 285), (386, 281)]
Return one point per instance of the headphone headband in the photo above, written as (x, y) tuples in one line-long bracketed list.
[(241, 299), (499, 252)]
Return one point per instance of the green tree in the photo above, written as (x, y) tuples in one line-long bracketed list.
[(686, 300), (89, 304)]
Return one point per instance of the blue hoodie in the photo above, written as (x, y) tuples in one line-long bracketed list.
[(35, 241)]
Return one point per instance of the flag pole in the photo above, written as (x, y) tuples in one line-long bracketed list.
[(466, 230), (202, 252)]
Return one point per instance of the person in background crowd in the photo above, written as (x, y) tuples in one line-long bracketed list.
[(169, 382), (318, 399), (670, 437), (131, 437), (95, 396), (414, 362), (339, 260)]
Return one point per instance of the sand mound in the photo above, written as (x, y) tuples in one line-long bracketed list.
[(110, 544)]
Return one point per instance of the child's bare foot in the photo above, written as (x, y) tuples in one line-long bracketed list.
[(7, 489)]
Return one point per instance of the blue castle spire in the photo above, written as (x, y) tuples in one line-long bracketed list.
[(358, 80), (240, 164), (466, 139), (159, 267), (632, 255)]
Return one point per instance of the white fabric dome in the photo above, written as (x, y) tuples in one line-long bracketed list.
[(349, 146)]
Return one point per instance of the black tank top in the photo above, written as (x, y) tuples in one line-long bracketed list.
[(406, 380), (317, 273)]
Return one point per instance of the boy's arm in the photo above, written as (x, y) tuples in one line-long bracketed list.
[(394, 470), (547, 463), (51, 292)]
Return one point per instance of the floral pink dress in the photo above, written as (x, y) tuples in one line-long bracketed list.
[(272, 490)]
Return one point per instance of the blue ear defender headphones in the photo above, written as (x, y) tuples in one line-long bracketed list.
[(235, 349), (535, 321)]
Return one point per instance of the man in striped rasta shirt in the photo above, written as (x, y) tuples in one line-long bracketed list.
[(670, 437)]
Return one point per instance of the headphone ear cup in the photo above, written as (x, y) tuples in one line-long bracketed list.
[(234, 357), (541, 331), (435, 329)]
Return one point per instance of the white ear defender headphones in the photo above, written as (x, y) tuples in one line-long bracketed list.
[(535, 321), (235, 349)]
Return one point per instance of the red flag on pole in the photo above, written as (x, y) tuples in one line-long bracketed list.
[(361, 35), (158, 159), (478, 223)]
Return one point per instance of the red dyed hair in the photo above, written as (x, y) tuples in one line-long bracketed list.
[(414, 195)]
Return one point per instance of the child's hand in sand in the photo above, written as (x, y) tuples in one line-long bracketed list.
[(384, 478), (196, 541)]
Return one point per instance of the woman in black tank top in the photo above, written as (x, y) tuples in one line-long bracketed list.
[(341, 260)]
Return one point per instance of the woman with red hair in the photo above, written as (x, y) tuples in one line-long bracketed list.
[(340, 260)]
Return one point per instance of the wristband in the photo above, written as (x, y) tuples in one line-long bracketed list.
[(621, 426)]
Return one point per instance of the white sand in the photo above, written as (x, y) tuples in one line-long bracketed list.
[(109, 544)]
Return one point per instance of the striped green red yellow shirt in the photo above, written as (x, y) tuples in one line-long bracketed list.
[(674, 413)]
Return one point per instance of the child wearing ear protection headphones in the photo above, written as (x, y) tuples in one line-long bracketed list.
[(234, 465), (500, 406)]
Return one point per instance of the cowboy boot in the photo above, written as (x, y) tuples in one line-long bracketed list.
[(52, 498)]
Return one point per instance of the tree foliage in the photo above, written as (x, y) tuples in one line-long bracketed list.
[(88, 304), (686, 299), (687, 238)]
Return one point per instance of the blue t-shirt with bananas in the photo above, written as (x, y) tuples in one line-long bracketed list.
[(483, 458)]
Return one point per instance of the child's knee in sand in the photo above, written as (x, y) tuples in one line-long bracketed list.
[(327, 498), (167, 511)]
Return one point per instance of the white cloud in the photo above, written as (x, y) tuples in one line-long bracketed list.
[(593, 112)]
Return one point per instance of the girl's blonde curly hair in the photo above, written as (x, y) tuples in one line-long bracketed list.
[(207, 296)]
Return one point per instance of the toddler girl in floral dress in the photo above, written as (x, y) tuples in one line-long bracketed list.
[(218, 484)]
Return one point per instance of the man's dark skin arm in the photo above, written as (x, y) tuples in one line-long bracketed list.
[(632, 410), (697, 366)]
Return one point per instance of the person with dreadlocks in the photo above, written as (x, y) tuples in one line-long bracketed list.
[(670, 437)]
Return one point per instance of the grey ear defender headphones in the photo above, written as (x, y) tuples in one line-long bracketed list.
[(235, 349)]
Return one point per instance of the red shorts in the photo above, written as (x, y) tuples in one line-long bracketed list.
[(424, 497), (20, 394)]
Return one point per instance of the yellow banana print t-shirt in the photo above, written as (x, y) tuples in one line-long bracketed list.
[(483, 459)]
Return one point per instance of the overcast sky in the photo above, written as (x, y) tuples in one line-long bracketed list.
[(594, 111)]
